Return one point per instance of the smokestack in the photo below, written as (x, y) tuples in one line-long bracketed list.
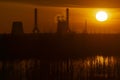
[(67, 18), (35, 17), (35, 30), (85, 29)]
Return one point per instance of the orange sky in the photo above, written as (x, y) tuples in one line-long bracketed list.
[(47, 18)]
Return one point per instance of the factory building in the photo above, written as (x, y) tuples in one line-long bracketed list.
[(63, 25)]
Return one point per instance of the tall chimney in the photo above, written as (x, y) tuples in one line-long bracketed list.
[(67, 18), (85, 27), (35, 30), (35, 17)]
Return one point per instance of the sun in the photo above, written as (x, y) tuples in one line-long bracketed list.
[(101, 16)]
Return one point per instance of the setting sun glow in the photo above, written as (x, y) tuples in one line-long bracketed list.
[(101, 16)]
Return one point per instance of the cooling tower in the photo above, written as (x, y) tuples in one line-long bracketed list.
[(17, 28)]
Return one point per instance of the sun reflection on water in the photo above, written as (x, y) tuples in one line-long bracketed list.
[(89, 68)]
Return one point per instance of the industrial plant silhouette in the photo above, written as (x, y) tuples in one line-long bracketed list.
[(64, 42), (62, 25), (47, 56)]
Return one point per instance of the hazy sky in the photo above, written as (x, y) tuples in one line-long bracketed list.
[(80, 3), (48, 10)]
